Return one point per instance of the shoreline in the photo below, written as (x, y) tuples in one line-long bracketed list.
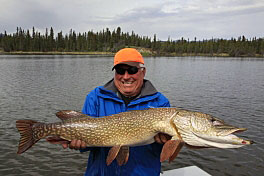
[(54, 53), (144, 53)]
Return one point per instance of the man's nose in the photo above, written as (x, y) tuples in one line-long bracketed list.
[(126, 75)]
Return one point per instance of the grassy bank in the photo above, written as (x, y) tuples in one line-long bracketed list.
[(144, 51), (54, 53), (209, 55)]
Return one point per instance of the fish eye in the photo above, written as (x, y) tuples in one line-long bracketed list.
[(216, 122)]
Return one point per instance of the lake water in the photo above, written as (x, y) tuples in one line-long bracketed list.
[(36, 87)]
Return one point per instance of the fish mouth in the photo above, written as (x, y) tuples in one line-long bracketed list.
[(243, 141), (224, 138), (227, 130)]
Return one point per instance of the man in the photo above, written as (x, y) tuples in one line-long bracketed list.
[(127, 91)]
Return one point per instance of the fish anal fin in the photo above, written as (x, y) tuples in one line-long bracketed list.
[(122, 156), (67, 114), (170, 150), (112, 154), (57, 140)]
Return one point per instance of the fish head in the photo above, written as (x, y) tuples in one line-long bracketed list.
[(210, 131)]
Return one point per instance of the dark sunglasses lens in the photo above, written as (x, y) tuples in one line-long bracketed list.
[(132, 70), (120, 71)]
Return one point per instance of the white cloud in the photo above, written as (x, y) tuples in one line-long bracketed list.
[(174, 18)]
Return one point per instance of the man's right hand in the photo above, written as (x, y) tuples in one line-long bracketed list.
[(75, 144)]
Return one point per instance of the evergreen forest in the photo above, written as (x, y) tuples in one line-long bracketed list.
[(112, 41)]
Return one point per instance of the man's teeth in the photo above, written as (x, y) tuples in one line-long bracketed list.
[(127, 82)]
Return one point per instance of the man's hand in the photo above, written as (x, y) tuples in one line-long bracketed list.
[(161, 138), (75, 144)]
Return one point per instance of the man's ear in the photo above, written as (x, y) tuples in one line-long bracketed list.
[(144, 71)]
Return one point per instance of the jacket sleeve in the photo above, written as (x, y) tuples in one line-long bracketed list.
[(90, 108), (163, 101)]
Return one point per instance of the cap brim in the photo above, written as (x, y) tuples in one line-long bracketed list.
[(129, 63)]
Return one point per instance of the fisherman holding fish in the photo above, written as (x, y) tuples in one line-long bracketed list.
[(128, 143), (127, 91)]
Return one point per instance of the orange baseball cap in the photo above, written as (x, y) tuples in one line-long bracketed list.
[(128, 55)]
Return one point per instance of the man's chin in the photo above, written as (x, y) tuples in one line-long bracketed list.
[(128, 93)]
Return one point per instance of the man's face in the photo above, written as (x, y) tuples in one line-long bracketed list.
[(129, 84)]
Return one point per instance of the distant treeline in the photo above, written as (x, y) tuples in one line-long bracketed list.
[(112, 41)]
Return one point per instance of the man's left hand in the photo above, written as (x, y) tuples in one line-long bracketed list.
[(162, 138)]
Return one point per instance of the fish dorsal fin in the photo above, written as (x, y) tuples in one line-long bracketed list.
[(67, 114)]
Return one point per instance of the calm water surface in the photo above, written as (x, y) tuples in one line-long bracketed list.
[(36, 87)]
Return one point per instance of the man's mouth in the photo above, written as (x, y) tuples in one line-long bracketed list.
[(127, 82)]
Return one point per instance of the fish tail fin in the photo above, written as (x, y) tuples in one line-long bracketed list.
[(27, 139)]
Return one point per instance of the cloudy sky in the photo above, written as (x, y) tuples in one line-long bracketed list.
[(203, 19)]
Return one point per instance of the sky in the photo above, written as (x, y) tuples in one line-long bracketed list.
[(174, 19)]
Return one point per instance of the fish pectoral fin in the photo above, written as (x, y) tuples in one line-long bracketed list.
[(57, 140), (170, 150), (67, 114), (177, 151), (112, 154), (122, 156)]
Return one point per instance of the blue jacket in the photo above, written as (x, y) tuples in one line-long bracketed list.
[(143, 160)]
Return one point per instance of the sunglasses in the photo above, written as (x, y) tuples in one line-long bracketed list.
[(130, 70)]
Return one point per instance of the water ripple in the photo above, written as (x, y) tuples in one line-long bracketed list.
[(36, 87)]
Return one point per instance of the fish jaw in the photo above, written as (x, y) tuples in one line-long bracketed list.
[(223, 141)]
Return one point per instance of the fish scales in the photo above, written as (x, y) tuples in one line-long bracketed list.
[(119, 129)]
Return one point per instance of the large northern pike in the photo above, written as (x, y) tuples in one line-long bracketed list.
[(134, 128)]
